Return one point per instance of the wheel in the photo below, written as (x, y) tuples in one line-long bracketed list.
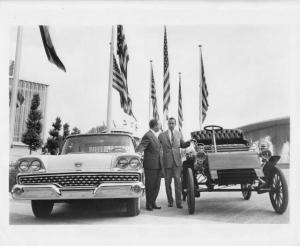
[(133, 207), (183, 191), (42, 208), (211, 128), (279, 191), (246, 191), (190, 191)]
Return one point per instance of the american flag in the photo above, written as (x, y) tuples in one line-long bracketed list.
[(122, 51), (123, 61), (204, 92), (166, 91), (119, 85), (180, 114), (153, 96)]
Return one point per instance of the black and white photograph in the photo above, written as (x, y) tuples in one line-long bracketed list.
[(151, 116)]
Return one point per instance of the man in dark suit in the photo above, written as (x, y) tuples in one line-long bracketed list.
[(171, 141), (151, 147)]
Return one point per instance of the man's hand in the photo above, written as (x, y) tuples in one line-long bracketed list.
[(193, 141)]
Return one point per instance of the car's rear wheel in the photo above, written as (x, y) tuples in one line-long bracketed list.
[(190, 191), (133, 206), (279, 191), (42, 208), (246, 191)]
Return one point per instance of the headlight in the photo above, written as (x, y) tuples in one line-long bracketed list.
[(30, 165), (129, 162), (263, 145), (24, 166), (122, 163), (135, 163), (35, 165), (201, 155), (265, 154), (264, 151)]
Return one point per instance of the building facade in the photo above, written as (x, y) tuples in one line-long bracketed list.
[(27, 89), (276, 132)]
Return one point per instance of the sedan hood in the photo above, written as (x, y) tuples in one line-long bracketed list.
[(78, 162)]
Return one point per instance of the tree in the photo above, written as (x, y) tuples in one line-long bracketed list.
[(98, 129), (54, 142), (32, 136), (75, 130), (66, 131)]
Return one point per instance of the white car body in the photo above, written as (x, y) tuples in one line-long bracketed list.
[(91, 175)]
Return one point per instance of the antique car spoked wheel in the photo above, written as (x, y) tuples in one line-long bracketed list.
[(42, 208), (190, 191), (184, 195), (133, 206), (246, 191), (279, 191)]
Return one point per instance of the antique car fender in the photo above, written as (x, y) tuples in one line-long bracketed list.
[(270, 165)]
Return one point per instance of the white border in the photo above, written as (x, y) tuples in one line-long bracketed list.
[(181, 13)]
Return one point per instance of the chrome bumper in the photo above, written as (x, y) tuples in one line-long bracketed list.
[(53, 192)]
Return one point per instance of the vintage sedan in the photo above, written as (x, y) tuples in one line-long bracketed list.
[(225, 162), (91, 166)]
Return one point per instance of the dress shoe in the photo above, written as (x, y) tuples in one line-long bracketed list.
[(179, 206), (170, 204), (149, 207), (155, 206)]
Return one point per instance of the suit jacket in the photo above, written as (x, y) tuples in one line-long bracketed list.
[(151, 147), (171, 152)]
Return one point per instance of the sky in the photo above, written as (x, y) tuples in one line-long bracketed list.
[(246, 67)]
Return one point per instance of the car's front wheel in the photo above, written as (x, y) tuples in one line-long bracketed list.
[(133, 207), (190, 191), (279, 191), (42, 208)]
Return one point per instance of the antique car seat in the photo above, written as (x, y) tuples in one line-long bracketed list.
[(225, 136)]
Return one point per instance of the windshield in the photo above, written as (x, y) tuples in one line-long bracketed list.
[(98, 144)]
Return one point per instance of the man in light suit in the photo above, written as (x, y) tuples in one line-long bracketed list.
[(151, 147), (171, 141)]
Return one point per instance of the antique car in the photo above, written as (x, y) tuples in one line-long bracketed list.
[(90, 166), (226, 162)]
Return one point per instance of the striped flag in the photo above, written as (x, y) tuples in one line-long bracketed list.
[(153, 96), (180, 114), (204, 92), (49, 48), (118, 84), (166, 91), (122, 52)]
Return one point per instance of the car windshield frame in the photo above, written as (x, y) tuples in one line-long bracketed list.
[(98, 143)]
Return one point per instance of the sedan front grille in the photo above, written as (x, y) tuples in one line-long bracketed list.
[(75, 180)]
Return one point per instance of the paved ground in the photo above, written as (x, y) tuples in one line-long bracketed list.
[(214, 207)]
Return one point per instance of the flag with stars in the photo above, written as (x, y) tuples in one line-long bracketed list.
[(166, 88)]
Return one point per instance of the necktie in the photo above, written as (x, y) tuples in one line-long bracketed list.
[(172, 137)]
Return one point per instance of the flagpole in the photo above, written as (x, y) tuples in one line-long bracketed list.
[(200, 87), (109, 94), (150, 90), (179, 76), (15, 82)]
